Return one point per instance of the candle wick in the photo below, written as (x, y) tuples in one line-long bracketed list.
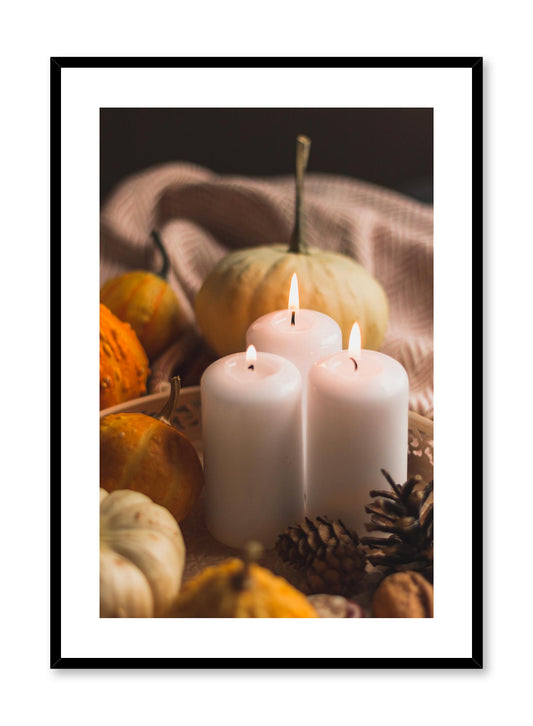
[(251, 367), (293, 317), (354, 363)]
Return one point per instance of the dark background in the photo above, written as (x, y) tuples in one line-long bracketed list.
[(392, 147)]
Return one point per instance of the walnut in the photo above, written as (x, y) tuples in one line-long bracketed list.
[(403, 595)]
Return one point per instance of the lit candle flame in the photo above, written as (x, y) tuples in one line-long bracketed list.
[(354, 344), (294, 297), (251, 354)]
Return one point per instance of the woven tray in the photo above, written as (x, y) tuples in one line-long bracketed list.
[(202, 549)]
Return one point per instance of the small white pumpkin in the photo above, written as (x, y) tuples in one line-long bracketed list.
[(142, 555)]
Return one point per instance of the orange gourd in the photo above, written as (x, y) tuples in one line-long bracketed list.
[(123, 361), (148, 303), (146, 454), (240, 589)]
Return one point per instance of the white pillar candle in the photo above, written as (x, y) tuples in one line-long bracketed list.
[(301, 336), (358, 407), (252, 442)]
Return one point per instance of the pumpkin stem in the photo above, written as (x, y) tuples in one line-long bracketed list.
[(298, 243), (252, 552), (166, 262), (167, 412)]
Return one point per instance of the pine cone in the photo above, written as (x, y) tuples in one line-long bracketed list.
[(407, 514), (326, 552)]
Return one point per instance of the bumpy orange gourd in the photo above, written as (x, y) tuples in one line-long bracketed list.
[(147, 455), (123, 361), (148, 303), (237, 589)]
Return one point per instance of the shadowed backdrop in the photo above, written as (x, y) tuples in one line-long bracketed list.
[(391, 147)]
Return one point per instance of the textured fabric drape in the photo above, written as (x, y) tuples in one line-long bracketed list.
[(201, 216)]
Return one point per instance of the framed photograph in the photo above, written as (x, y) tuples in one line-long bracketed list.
[(267, 454)]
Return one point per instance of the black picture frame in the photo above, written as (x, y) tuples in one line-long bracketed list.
[(57, 659)]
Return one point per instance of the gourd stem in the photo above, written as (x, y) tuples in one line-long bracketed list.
[(298, 243), (166, 262), (252, 552), (167, 412)]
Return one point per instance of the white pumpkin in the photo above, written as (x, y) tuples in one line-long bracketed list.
[(142, 555)]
